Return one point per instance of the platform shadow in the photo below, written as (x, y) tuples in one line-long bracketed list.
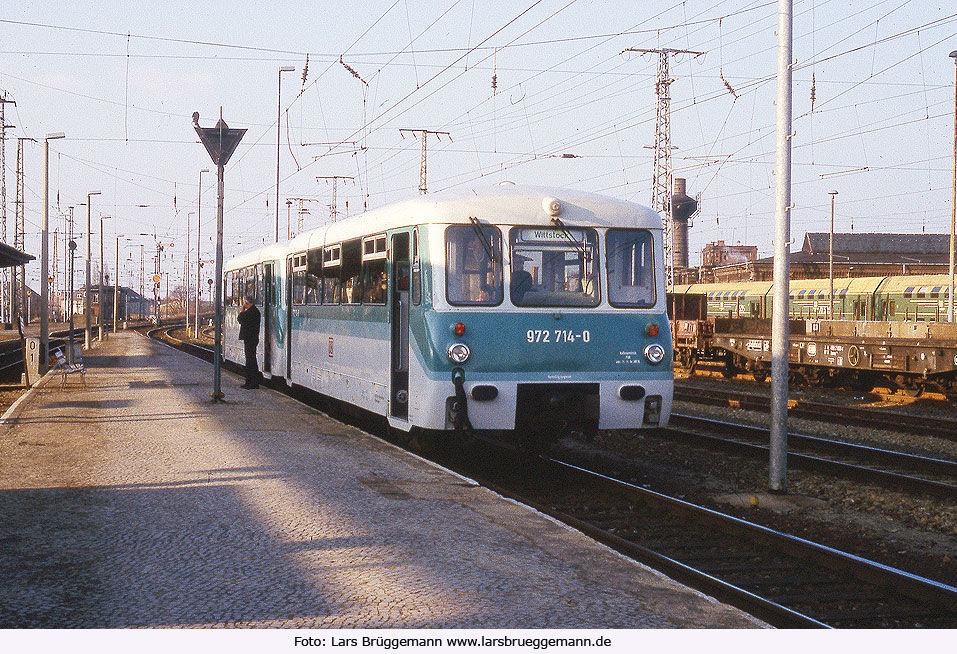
[(152, 556)]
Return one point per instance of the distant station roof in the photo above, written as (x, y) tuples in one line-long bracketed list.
[(10, 256)]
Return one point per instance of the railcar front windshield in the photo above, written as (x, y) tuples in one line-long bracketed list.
[(554, 267), (473, 265)]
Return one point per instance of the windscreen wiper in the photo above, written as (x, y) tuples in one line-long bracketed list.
[(477, 228), (571, 239)]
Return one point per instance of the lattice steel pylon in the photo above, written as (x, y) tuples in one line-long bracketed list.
[(333, 208), (6, 312), (19, 273), (661, 179), (423, 162)]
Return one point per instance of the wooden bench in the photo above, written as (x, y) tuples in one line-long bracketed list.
[(59, 365)]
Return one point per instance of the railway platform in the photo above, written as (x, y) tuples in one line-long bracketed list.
[(130, 500)]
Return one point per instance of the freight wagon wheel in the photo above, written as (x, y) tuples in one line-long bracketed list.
[(913, 391), (683, 358), (760, 374), (862, 383), (729, 370)]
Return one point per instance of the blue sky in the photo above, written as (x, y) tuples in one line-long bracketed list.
[(123, 79)]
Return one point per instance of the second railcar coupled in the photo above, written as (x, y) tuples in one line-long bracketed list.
[(528, 309)]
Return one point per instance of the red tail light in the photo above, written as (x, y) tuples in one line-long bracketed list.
[(459, 329), (652, 329)]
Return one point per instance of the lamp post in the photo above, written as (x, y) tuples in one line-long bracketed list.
[(101, 294), (199, 243), (830, 262), (72, 246), (953, 203), (186, 276), (45, 258), (282, 69), (88, 308)]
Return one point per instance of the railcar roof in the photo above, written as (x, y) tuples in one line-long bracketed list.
[(503, 204)]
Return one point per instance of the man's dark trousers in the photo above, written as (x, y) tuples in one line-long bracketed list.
[(252, 367)]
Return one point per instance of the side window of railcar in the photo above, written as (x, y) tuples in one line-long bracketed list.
[(251, 279), (331, 268), (473, 265), (631, 268), (374, 278), (227, 289), (299, 279), (312, 260), (260, 285), (351, 271), (554, 267)]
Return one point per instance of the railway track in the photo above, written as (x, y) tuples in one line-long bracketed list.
[(11, 352), (870, 465), (787, 581), (856, 416)]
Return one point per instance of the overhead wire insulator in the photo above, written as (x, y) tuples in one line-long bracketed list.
[(495, 72), (352, 70), (813, 91), (727, 85)]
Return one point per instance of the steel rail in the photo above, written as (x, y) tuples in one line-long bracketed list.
[(915, 587), (684, 427), (857, 416)]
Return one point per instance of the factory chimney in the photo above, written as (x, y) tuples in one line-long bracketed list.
[(682, 208)]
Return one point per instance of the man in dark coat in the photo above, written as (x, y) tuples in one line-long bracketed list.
[(249, 319)]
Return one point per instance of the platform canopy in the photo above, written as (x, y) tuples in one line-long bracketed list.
[(10, 256)]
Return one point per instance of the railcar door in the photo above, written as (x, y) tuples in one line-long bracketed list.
[(399, 283), (268, 315), (288, 307)]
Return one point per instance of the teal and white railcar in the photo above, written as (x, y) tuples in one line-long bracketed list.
[(511, 308)]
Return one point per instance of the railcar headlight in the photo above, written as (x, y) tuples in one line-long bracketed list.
[(459, 353), (654, 353)]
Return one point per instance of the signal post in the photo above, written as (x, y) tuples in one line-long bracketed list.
[(220, 142)]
